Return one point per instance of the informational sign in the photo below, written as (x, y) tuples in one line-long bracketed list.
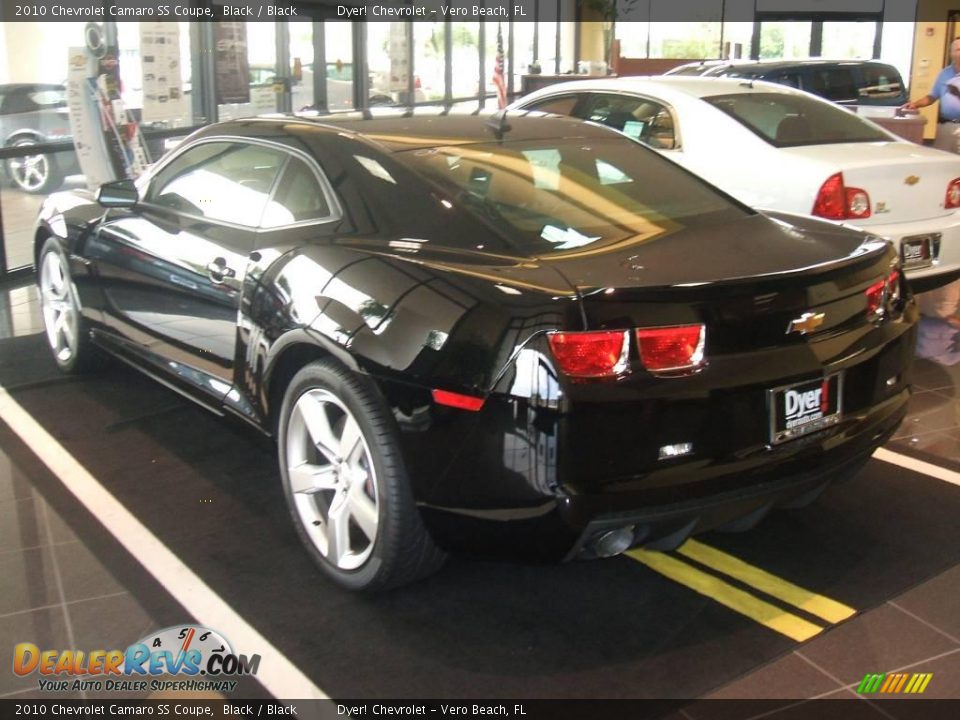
[(85, 118), (232, 66), (164, 100)]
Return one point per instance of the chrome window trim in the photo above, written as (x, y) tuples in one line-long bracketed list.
[(333, 202)]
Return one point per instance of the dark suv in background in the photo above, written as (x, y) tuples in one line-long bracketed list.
[(847, 82)]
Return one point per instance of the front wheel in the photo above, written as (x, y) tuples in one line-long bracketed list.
[(62, 319), (38, 174), (345, 482)]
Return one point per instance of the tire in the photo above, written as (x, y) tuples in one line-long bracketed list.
[(38, 174), (65, 327), (339, 458)]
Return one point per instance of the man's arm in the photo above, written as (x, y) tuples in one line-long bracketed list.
[(919, 103)]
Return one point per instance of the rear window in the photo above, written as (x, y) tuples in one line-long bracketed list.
[(563, 196), (882, 85), (792, 120)]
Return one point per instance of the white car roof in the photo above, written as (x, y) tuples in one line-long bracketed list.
[(667, 86)]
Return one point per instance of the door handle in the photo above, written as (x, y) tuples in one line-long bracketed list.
[(218, 270)]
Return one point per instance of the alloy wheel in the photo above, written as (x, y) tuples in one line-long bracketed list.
[(31, 172), (332, 479), (58, 304)]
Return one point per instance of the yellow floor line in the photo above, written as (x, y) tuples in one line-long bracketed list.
[(777, 619), (819, 605)]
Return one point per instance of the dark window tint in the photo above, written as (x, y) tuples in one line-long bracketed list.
[(557, 106), (639, 118), (790, 79), (564, 196), (298, 197), (222, 181), (787, 120), (833, 83)]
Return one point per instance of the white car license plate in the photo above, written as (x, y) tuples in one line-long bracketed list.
[(917, 251), (803, 408)]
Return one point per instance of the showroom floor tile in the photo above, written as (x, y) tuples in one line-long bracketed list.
[(59, 589)]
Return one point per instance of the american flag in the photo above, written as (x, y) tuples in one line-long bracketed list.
[(498, 77)]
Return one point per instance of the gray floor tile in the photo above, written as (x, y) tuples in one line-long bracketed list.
[(787, 678), (943, 444), (44, 628), (929, 412), (29, 580), (937, 602), (878, 641), (60, 531), (84, 575), (127, 622), (13, 484), (22, 525)]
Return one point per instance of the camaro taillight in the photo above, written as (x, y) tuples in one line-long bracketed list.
[(953, 194), (591, 354), (883, 294), (672, 349), (835, 201)]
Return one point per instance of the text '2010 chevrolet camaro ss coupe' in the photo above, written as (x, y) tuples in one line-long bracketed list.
[(525, 336)]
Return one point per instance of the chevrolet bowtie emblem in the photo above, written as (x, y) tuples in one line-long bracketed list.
[(808, 322), (911, 179)]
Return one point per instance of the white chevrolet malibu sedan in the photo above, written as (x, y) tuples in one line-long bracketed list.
[(773, 147)]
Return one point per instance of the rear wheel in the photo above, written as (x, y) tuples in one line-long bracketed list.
[(38, 174), (345, 483), (64, 325)]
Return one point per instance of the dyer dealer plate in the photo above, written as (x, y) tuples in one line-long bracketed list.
[(804, 408), (919, 250)]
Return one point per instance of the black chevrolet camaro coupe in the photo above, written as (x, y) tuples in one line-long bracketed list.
[(522, 336)]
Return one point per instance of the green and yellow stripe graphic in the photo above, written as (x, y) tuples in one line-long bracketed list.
[(894, 683)]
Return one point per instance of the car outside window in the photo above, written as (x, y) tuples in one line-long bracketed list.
[(564, 195), (223, 181), (298, 197), (791, 120)]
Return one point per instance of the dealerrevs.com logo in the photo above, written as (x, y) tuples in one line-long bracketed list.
[(201, 657)]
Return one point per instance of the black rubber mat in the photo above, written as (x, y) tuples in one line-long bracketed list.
[(208, 488)]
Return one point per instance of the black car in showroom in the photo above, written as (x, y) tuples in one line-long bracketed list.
[(522, 336)]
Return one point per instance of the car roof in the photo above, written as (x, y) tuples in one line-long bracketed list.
[(396, 131), (793, 64), (669, 86)]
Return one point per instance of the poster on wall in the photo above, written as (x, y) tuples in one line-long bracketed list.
[(232, 66), (121, 132), (164, 100)]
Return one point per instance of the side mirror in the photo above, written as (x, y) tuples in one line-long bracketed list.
[(118, 194)]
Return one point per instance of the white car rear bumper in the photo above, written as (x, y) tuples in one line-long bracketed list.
[(946, 261)]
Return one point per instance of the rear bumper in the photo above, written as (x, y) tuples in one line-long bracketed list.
[(805, 470), (946, 266)]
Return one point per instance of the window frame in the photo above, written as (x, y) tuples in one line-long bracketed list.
[(333, 202)]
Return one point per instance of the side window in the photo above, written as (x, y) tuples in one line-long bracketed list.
[(835, 84), (557, 106), (881, 85), (644, 120), (790, 79), (298, 197), (224, 181)]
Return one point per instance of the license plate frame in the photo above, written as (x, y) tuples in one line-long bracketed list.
[(917, 251), (810, 412)]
